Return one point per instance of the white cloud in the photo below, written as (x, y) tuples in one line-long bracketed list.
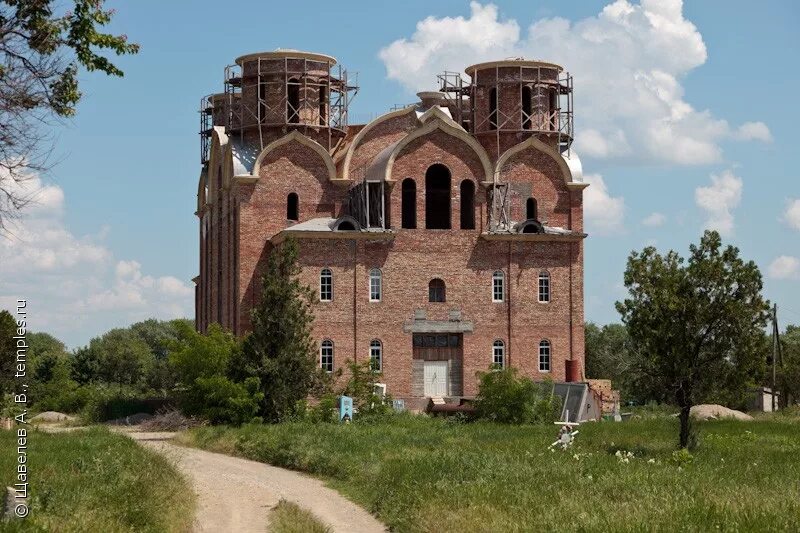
[(719, 199), (654, 220), (74, 286), (604, 213), (757, 131), (627, 62), (792, 214), (785, 267)]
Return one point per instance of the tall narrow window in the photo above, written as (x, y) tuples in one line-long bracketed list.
[(323, 106), (544, 287), (498, 286), (326, 355), (436, 291), (292, 207), (375, 283), (376, 355), (326, 285), (531, 209), (293, 101), (493, 108), (409, 200), (498, 354), (437, 197), (544, 356), (526, 108), (467, 204)]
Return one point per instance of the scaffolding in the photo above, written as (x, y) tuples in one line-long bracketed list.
[(206, 126), (283, 96), (542, 106)]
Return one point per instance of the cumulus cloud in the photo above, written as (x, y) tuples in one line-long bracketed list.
[(604, 213), (628, 62), (74, 286), (718, 201), (654, 220), (785, 267), (792, 214)]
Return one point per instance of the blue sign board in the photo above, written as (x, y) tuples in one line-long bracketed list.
[(345, 409)]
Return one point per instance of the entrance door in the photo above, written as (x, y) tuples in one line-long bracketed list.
[(436, 379)]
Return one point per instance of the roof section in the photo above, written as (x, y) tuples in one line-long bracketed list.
[(512, 62), (280, 53)]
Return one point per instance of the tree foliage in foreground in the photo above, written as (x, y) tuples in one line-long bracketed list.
[(280, 351), (42, 47), (694, 324)]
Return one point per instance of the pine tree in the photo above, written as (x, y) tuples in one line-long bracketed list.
[(280, 350)]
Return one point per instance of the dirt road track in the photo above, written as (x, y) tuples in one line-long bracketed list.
[(235, 494)]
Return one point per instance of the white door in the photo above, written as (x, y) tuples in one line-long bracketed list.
[(435, 379)]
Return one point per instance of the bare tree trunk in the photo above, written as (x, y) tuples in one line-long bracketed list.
[(686, 423)]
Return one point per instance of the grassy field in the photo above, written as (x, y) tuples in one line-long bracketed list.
[(95, 480), (420, 474), (287, 517)]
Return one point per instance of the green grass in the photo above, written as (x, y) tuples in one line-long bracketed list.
[(95, 480), (287, 517), (420, 474)]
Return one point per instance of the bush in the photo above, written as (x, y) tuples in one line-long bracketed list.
[(504, 397), (361, 387), (222, 401), (104, 403)]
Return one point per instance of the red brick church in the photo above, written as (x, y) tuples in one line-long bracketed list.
[(441, 237)]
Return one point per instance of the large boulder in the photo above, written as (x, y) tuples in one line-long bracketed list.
[(716, 412)]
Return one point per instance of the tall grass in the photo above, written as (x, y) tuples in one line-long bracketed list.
[(95, 480), (420, 474), (288, 517)]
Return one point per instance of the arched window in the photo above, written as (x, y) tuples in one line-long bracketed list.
[(326, 285), (409, 201), (376, 355), (436, 291), (292, 207), (499, 354), (531, 209), (326, 355), (498, 286), (526, 108), (544, 287), (293, 101), (467, 204), (544, 356), (375, 283), (493, 108), (323, 106), (437, 197)]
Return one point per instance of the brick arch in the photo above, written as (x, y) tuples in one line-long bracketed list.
[(363, 133), (296, 136), (535, 144), (447, 126)]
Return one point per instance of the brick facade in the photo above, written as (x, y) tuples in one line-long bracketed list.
[(243, 216)]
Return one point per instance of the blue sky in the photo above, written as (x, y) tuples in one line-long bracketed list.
[(666, 96)]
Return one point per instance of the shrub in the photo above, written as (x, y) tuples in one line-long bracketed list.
[(104, 403), (507, 398), (360, 386), (222, 401)]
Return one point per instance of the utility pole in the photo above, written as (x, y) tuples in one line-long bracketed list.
[(775, 349)]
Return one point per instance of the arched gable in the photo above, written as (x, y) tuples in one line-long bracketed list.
[(533, 143), (363, 133), (296, 136), (437, 120)]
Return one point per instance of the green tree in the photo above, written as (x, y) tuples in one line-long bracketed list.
[(608, 357), (194, 355), (159, 336), (42, 47), (8, 352), (694, 324), (122, 357), (280, 351)]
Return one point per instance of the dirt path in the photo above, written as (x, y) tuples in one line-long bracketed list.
[(235, 494)]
